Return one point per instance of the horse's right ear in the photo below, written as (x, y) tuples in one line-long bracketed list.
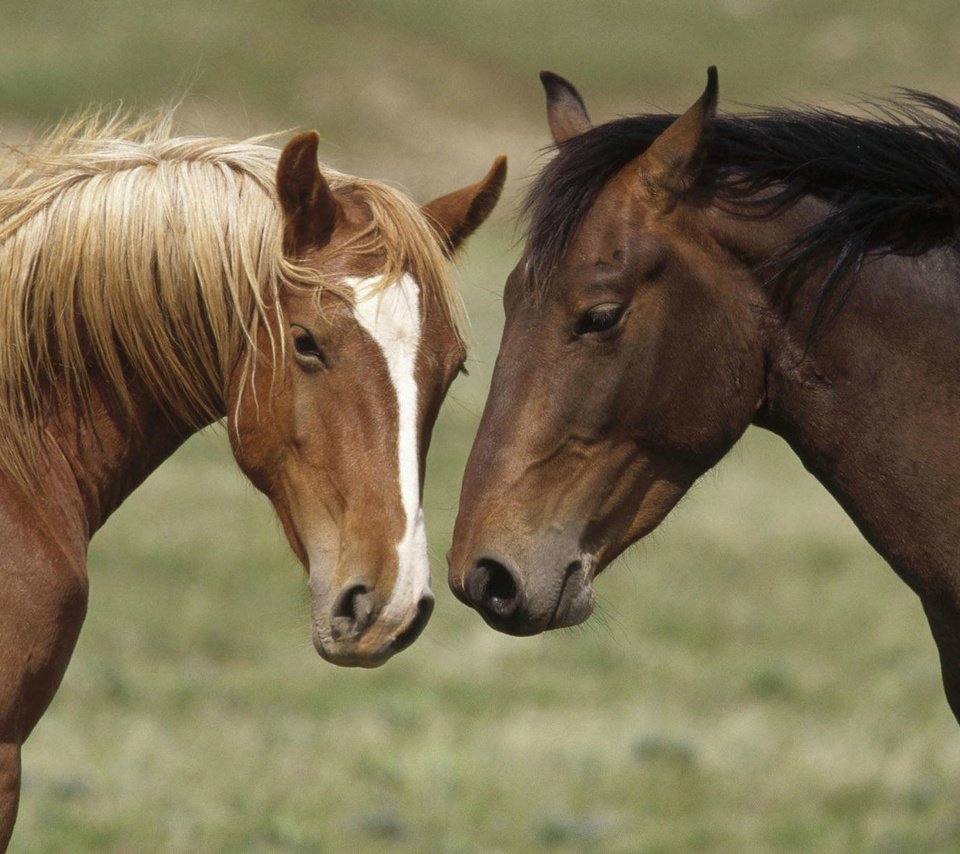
[(566, 113), (673, 160), (308, 203)]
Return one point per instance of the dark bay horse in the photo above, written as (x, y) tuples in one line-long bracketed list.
[(685, 277), (150, 285)]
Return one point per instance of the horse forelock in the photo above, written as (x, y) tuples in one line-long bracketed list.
[(125, 250), (401, 236)]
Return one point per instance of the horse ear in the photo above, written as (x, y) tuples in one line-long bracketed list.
[(308, 203), (566, 113), (457, 215), (673, 160)]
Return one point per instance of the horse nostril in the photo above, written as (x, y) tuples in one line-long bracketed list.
[(493, 588), (353, 610)]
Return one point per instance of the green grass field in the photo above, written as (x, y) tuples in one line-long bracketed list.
[(756, 679)]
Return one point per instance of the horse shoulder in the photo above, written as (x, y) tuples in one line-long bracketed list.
[(43, 599)]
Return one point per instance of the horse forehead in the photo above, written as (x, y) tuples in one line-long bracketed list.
[(612, 223), (390, 314)]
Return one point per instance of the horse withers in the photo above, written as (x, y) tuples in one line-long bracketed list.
[(686, 276), (150, 285)]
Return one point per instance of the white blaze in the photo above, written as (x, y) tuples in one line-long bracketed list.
[(392, 318)]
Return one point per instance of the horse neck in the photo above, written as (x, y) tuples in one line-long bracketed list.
[(107, 450), (870, 403)]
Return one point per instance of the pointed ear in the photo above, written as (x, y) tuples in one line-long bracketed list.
[(457, 215), (308, 203), (566, 114), (672, 162)]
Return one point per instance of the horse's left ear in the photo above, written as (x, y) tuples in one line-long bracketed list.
[(457, 215), (309, 206), (673, 160), (566, 112)]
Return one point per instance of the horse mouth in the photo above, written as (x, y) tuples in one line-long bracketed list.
[(406, 637), (576, 599)]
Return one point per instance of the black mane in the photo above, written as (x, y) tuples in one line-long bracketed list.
[(892, 178)]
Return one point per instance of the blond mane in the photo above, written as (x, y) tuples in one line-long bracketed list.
[(126, 251)]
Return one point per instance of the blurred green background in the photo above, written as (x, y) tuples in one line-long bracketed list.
[(756, 680)]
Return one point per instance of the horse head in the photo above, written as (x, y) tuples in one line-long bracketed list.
[(331, 417), (625, 370)]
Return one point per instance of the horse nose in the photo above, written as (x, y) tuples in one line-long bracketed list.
[(353, 611), (493, 589)]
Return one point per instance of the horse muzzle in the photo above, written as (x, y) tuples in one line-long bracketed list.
[(552, 591), (355, 629)]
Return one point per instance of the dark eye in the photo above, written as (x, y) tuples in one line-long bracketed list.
[(306, 349), (599, 318)]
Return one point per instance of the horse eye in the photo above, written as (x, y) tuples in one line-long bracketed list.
[(307, 350), (600, 318)]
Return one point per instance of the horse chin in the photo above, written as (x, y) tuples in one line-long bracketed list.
[(350, 654)]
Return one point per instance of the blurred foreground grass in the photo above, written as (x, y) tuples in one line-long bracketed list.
[(757, 679)]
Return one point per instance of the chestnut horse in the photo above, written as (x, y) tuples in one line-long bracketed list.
[(685, 277), (151, 285)]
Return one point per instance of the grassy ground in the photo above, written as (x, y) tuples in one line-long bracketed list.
[(757, 679)]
